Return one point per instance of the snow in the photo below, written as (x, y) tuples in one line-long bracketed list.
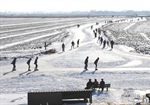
[(145, 36), (129, 26), (127, 72)]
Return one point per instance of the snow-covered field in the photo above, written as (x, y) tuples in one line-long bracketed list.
[(128, 72)]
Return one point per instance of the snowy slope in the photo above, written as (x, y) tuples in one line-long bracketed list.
[(127, 72)]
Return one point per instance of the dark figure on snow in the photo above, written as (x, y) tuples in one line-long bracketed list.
[(28, 62), (111, 44), (45, 45), (63, 47), (101, 40), (35, 62), (96, 30), (72, 45), (99, 31), (107, 43), (86, 63), (89, 85), (78, 25), (91, 27), (95, 84), (95, 62), (102, 84), (78, 42), (104, 44), (95, 33), (14, 64), (98, 40)]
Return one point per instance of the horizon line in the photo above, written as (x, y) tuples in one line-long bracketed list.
[(73, 11)]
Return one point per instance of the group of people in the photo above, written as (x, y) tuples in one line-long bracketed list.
[(87, 60), (95, 84), (105, 42), (72, 45), (28, 63), (96, 31), (101, 39)]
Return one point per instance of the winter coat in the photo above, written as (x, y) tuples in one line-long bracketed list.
[(35, 62), (96, 61), (89, 84), (14, 61), (28, 62), (86, 61), (102, 84)]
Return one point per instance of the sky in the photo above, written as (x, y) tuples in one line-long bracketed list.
[(72, 5)]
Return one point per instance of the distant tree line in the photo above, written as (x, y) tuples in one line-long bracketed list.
[(74, 13)]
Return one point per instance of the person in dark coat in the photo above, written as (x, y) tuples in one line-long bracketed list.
[(104, 44), (95, 84), (95, 62), (72, 45), (95, 33), (107, 43), (78, 25), (45, 45), (78, 42), (14, 64), (28, 62), (86, 63), (102, 84), (63, 47), (96, 30), (101, 40), (91, 26), (35, 62), (99, 31), (89, 85), (111, 44)]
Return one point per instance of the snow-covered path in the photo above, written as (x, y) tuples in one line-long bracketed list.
[(127, 72), (118, 57), (145, 36)]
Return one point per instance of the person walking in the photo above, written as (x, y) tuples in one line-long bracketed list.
[(111, 44), (98, 40), (95, 62), (28, 62), (63, 47), (102, 84), (104, 44), (45, 45), (99, 31), (95, 33), (14, 64), (86, 63), (107, 43), (101, 40), (91, 27), (36, 65), (78, 42), (72, 45)]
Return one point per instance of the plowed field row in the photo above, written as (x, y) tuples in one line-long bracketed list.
[(6, 22), (36, 43), (33, 27), (20, 36)]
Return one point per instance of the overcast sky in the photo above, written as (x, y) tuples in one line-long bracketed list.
[(72, 5)]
